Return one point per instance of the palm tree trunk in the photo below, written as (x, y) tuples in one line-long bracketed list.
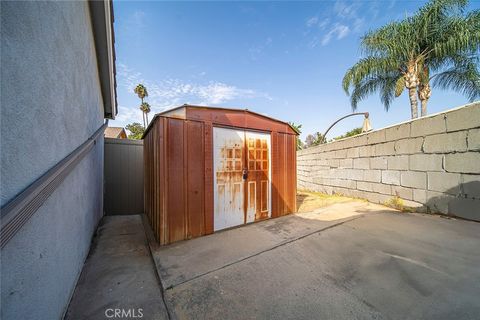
[(423, 102), (412, 94), (411, 83), (143, 114), (424, 93), (146, 115)]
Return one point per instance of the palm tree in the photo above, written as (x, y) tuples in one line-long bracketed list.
[(401, 55), (462, 75), (450, 42), (145, 107), (141, 92)]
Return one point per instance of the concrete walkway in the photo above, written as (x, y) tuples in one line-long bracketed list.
[(350, 260), (119, 275)]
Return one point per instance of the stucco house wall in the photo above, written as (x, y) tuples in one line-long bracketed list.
[(51, 103)]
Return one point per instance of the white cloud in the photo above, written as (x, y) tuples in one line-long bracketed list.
[(322, 24), (128, 115), (311, 21), (339, 31), (346, 11), (315, 21), (340, 20), (168, 93)]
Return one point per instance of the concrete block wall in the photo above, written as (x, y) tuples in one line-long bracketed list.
[(431, 163)]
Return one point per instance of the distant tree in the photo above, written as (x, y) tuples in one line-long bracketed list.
[(145, 107), (313, 140), (136, 130), (142, 93), (297, 127), (350, 133)]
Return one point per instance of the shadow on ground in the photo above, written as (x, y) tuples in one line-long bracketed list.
[(352, 259)]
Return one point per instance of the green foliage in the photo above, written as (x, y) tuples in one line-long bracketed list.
[(395, 202), (438, 39), (141, 91), (145, 107), (313, 140), (399, 86), (297, 128), (136, 130), (350, 133)]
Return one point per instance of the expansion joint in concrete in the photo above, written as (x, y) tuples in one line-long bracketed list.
[(263, 251)]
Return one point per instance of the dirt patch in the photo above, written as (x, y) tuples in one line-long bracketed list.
[(310, 201)]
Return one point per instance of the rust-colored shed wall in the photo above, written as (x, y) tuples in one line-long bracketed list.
[(178, 155), (174, 153)]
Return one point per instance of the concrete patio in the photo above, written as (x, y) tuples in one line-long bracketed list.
[(348, 260)]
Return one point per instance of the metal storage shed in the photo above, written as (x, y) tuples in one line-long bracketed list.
[(208, 169)]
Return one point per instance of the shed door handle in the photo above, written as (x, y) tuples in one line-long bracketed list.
[(245, 174)]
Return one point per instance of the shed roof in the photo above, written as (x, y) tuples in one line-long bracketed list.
[(181, 113)]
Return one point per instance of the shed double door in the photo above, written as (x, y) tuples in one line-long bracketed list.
[(242, 171)]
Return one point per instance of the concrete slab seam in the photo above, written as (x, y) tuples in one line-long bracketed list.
[(263, 251)]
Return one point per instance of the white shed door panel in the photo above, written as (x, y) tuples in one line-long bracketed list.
[(258, 178), (228, 145)]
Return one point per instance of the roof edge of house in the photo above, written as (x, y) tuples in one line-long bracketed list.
[(101, 14)]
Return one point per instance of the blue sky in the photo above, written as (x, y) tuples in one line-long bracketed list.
[(282, 59)]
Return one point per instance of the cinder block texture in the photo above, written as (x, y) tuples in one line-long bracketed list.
[(471, 186), (391, 177), (428, 126), (464, 118), (414, 179), (398, 163), (372, 175), (402, 192), (398, 132), (467, 162), (444, 182), (384, 149), (378, 163), (361, 163), (473, 140), (426, 162), (431, 163), (446, 142), (409, 146), (376, 137)]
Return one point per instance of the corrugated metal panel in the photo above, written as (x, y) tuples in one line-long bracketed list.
[(195, 179), (175, 180), (208, 178), (179, 177), (123, 176), (283, 174)]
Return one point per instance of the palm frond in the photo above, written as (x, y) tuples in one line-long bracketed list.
[(465, 79), (368, 67), (399, 86), (385, 84)]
